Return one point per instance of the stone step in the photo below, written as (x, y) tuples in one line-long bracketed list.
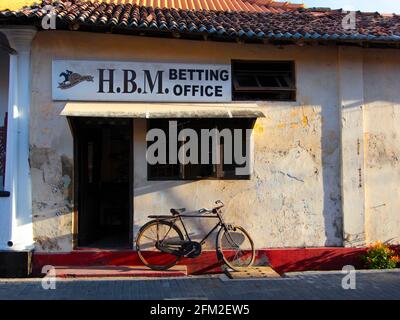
[(116, 271)]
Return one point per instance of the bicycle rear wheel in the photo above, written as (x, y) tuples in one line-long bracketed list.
[(236, 248), (149, 235)]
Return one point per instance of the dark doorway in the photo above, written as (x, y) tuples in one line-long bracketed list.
[(103, 160)]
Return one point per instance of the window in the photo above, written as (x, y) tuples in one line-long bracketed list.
[(229, 163), (261, 80)]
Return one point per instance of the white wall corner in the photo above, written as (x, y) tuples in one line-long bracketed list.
[(351, 102), (16, 228)]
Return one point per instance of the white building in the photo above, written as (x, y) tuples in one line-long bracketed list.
[(322, 102)]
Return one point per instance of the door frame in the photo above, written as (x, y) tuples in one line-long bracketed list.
[(75, 185)]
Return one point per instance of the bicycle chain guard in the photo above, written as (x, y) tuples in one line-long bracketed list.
[(191, 249), (188, 249)]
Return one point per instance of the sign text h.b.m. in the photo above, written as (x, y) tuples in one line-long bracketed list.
[(137, 81)]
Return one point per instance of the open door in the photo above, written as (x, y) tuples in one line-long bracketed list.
[(103, 154)]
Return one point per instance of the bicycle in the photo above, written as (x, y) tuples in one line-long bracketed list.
[(162, 234)]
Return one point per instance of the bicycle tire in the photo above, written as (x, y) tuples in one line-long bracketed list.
[(142, 256), (225, 258)]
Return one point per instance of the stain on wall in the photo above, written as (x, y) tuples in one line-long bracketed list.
[(51, 198), (382, 133), (382, 150)]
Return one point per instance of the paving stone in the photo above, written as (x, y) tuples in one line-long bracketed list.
[(323, 286)]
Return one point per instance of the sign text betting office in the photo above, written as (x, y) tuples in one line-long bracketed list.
[(139, 81)]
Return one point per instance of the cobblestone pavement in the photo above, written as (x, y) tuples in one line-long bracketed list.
[(298, 286)]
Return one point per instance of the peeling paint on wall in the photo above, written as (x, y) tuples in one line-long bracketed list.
[(380, 152), (51, 199)]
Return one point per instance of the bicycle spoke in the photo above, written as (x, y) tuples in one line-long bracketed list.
[(150, 238), (166, 233), (153, 233), (234, 258), (237, 249), (150, 248)]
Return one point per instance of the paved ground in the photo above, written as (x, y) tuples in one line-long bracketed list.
[(369, 285)]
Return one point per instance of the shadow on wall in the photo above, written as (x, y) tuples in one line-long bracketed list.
[(157, 186), (330, 157)]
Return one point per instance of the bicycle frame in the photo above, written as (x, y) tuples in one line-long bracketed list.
[(181, 244), (220, 224)]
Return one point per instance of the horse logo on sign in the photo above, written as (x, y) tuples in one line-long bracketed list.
[(71, 79)]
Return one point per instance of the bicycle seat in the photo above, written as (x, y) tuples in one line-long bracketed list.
[(177, 211)]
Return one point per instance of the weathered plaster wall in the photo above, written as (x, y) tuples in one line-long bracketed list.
[(382, 147), (351, 98), (51, 155), (293, 198)]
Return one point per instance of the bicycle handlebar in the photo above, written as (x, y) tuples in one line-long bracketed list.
[(213, 210)]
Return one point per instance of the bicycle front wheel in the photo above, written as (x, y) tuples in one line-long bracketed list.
[(236, 248), (149, 235)]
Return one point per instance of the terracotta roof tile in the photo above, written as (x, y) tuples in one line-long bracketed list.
[(225, 5), (277, 24)]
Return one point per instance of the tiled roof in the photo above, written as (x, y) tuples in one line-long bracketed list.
[(218, 5), (221, 5), (291, 24)]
